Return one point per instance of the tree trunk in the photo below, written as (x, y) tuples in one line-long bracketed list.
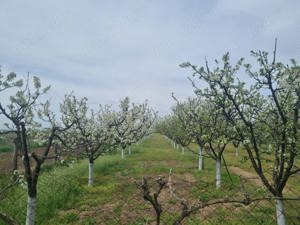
[(218, 173), (236, 152), (31, 210), (280, 212), (15, 156), (129, 150), (200, 159), (182, 150), (122, 153), (91, 173), (30, 178), (55, 149)]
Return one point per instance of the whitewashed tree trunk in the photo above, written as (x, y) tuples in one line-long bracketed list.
[(200, 159), (129, 150), (280, 212), (236, 152), (122, 153), (91, 174), (218, 173), (31, 210), (182, 150)]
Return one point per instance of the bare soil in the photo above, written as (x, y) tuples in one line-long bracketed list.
[(249, 176), (6, 160)]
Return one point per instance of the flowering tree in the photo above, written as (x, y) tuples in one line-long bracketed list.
[(7, 82), (20, 116), (171, 127), (93, 131), (217, 136), (205, 123), (192, 117), (265, 114), (142, 127), (132, 123)]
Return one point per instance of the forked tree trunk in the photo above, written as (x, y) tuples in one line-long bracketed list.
[(91, 173), (218, 173), (280, 212), (200, 159), (31, 210)]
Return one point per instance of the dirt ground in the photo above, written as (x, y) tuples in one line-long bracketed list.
[(249, 176), (6, 161)]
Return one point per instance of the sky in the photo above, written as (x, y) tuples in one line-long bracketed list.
[(107, 50)]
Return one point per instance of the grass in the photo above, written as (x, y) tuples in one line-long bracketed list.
[(56, 189), (243, 162), (65, 198), (5, 146)]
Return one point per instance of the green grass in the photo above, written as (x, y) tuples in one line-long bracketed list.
[(65, 198), (5, 146), (56, 189)]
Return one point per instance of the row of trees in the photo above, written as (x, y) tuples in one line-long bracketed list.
[(197, 120), (257, 107), (76, 127)]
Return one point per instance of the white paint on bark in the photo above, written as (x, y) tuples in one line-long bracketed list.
[(200, 159), (31, 209), (236, 152), (91, 174), (122, 153), (182, 150), (218, 173), (280, 212)]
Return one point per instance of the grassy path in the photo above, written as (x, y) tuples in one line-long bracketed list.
[(65, 197), (114, 196)]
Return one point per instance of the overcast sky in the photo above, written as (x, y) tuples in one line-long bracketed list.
[(106, 50)]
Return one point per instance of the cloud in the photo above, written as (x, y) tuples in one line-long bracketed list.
[(106, 50)]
